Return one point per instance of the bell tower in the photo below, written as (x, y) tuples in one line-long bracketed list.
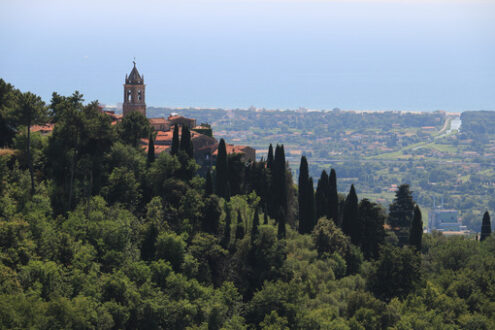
[(134, 95)]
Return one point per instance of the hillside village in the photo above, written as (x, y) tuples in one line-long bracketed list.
[(204, 143)]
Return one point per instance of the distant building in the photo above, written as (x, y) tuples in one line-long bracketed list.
[(134, 93), (446, 221), (181, 121)]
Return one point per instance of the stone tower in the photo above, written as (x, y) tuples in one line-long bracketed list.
[(134, 92)]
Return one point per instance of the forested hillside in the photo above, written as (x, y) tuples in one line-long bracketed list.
[(96, 233)]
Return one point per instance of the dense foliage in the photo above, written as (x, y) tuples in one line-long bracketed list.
[(111, 238)]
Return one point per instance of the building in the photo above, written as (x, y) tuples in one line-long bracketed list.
[(204, 144), (134, 93), (445, 220), (181, 121)]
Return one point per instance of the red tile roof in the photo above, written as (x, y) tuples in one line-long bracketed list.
[(42, 128), (232, 149), (158, 121)]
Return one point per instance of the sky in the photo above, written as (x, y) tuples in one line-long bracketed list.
[(421, 55)]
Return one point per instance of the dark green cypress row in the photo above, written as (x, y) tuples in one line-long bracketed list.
[(222, 171), (209, 183), (175, 141), (333, 197), (321, 197), (151, 150), (350, 223), (303, 197), (486, 226), (416, 231)]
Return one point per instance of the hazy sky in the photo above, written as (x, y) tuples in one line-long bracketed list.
[(352, 54)]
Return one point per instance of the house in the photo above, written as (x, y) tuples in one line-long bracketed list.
[(159, 124)]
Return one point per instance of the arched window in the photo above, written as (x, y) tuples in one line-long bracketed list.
[(139, 95), (128, 95)]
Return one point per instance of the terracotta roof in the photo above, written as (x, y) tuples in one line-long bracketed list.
[(158, 120), (116, 116), (42, 128), (158, 148), (232, 149)]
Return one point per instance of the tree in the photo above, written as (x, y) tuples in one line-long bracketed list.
[(396, 273), (212, 215), (8, 103), (321, 198), (151, 149), (269, 158), (401, 213), (77, 151), (351, 223), (134, 127), (239, 231), (373, 218), (32, 111), (328, 238), (304, 198), (222, 171), (279, 190), (333, 197), (175, 141), (265, 214), (416, 231), (208, 183), (226, 231), (311, 206), (486, 227), (186, 143), (123, 188), (256, 224)]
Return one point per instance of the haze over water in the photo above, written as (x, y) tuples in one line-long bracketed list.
[(360, 55)]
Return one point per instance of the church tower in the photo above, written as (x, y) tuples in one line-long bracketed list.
[(134, 93)]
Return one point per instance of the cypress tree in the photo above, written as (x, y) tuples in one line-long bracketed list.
[(175, 141), (226, 231), (151, 149), (321, 198), (148, 248), (303, 197), (333, 197), (222, 171), (311, 206), (269, 158), (209, 183), (185, 142), (486, 226), (211, 214), (372, 218), (256, 223), (416, 231), (279, 189), (350, 224), (401, 212), (239, 231)]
